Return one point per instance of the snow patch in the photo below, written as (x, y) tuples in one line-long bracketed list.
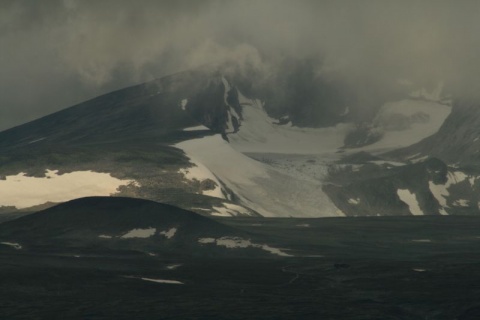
[(196, 128), (236, 208), (200, 172), (259, 187), (183, 103), (410, 199), (174, 266), (37, 140), (200, 209), (354, 201), (443, 212), (440, 191), (139, 233), (22, 191), (206, 240), (394, 139), (303, 225), (422, 240), (434, 95), (472, 181), (391, 163), (416, 155), (14, 245), (162, 281), (221, 212), (420, 159), (169, 234), (235, 242), (461, 203), (103, 236), (231, 113), (261, 134), (229, 210)]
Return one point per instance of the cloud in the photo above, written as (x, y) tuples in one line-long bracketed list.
[(57, 53)]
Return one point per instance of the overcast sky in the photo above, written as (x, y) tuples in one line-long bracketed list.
[(54, 54)]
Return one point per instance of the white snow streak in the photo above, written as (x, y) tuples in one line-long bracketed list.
[(410, 199), (354, 201), (196, 128), (162, 281), (174, 266), (14, 245), (36, 140)]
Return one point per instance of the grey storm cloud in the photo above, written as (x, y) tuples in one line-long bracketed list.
[(54, 54)]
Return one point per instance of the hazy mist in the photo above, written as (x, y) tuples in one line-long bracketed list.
[(58, 53)]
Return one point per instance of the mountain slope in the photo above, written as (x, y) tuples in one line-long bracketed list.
[(125, 139), (184, 140), (457, 141), (258, 186)]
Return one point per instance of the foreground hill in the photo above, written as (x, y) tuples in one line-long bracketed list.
[(115, 223)]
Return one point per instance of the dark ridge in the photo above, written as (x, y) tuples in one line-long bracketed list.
[(93, 216)]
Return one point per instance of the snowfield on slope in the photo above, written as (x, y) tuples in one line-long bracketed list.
[(393, 139), (259, 134), (259, 187), (410, 199), (22, 191), (199, 172), (441, 191)]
